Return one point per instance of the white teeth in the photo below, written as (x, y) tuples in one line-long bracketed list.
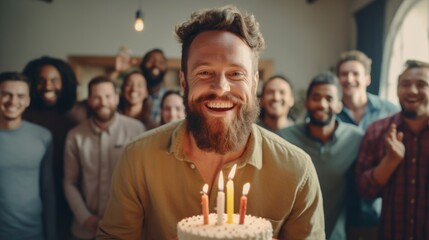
[(220, 105), (104, 110), (276, 104), (50, 94), (12, 109), (134, 94)]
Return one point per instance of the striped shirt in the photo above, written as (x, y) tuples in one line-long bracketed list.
[(405, 211)]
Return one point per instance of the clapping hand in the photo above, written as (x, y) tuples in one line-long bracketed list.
[(395, 147)]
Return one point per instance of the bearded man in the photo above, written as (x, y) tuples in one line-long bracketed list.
[(91, 151), (154, 68), (393, 161), (333, 147), (158, 180)]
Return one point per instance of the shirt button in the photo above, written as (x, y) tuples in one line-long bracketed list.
[(412, 201), (415, 139), (192, 166), (413, 181), (413, 160), (411, 221)]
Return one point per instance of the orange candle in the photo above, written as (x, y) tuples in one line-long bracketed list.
[(205, 204), (243, 203), (230, 195)]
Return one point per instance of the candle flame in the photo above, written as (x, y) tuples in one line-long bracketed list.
[(232, 172), (205, 188), (246, 188), (220, 182)]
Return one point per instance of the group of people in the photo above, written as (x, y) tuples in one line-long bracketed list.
[(66, 149), (339, 110), (316, 179)]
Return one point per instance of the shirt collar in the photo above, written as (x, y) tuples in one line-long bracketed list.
[(334, 136), (98, 130), (252, 155), (373, 102)]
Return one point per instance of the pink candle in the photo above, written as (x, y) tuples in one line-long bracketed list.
[(205, 204), (243, 203)]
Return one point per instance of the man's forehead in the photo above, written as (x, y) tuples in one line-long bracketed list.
[(416, 74)]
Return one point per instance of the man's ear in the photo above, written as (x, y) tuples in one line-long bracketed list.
[(28, 102), (117, 99), (182, 80), (339, 107), (368, 80), (292, 100), (306, 103), (256, 82)]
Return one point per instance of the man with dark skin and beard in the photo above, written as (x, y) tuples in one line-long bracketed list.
[(154, 68), (333, 147), (91, 151), (158, 180), (53, 106), (393, 161)]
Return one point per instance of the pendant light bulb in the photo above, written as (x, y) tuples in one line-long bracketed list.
[(139, 24)]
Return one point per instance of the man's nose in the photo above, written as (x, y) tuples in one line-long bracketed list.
[(48, 84), (221, 84)]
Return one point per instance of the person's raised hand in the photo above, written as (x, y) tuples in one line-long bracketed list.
[(395, 147)]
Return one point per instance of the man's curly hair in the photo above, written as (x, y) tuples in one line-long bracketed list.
[(227, 18)]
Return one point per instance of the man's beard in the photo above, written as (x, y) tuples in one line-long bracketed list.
[(320, 123), (214, 134), (152, 80), (411, 114), (102, 117)]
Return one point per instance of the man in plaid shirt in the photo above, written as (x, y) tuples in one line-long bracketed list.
[(394, 159)]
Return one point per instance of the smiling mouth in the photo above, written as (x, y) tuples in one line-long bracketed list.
[(220, 106), (12, 109), (49, 95)]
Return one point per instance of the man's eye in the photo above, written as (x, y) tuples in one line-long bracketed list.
[(236, 75), (204, 73)]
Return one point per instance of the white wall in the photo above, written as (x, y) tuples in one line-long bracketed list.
[(302, 39)]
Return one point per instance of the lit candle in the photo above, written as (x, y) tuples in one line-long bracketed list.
[(220, 200), (205, 204), (230, 195), (243, 202)]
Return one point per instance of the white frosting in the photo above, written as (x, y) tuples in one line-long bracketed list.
[(254, 228)]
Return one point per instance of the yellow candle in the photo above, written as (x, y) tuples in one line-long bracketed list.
[(230, 195)]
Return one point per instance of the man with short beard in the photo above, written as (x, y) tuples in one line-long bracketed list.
[(158, 180), (393, 161), (333, 147), (91, 151), (154, 68)]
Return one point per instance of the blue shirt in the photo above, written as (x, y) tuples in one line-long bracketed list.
[(377, 108), (333, 162), (27, 197), (156, 104)]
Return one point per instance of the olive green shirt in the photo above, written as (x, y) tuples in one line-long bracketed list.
[(155, 185)]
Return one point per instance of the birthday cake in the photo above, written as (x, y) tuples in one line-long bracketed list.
[(254, 228)]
